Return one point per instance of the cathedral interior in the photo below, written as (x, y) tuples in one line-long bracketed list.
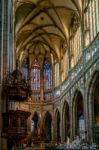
[(49, 73)]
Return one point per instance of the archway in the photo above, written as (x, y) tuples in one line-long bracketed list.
[(78, 115), (93, 105), (57, 125), (35, 125), (47, 127), (66, 121)]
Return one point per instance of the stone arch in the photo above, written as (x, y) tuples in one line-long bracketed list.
[(47, 127), (57, 125), (78, 123), (35, 124), (93, 107), (65, 121)]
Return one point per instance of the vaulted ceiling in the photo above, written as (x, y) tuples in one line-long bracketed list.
[(42, 27)]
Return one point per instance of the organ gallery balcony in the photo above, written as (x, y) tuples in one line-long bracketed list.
[(16, 88), (15, 124)]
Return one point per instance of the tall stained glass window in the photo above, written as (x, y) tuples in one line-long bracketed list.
[(56, 74), (47, 76), (35, 76), (25, 69)]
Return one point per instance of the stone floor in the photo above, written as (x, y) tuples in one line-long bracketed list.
[(31, 148), (34, 148)]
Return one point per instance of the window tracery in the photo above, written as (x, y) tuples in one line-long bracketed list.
[(56, 75), (91, 21), (35, 76), (47, 76), (75, 47), (25, 69)]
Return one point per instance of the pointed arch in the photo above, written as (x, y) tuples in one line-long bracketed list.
[(24, 68), (47, 127), (57, 125), (65, 121), (93, 106), (78, 114), (35, 124)]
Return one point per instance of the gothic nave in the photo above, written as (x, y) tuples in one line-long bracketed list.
[(49, 74)]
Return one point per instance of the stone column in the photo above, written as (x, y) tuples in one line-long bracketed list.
[(83, 64), (86, 118), (42, 85), (61, 124), (89, 115), (54, 127), (0, 117), (3, 53), (53, 81), (13, 34), (71, 117), (74, 119)]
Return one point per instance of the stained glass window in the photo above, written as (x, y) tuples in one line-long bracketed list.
[(35, 76), (76, 51), (36, 96), (56, 74), (25, 69), (91, 17), (48, 96), (47, 76)]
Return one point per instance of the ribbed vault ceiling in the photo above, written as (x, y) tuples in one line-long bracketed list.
[(42, 27)]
